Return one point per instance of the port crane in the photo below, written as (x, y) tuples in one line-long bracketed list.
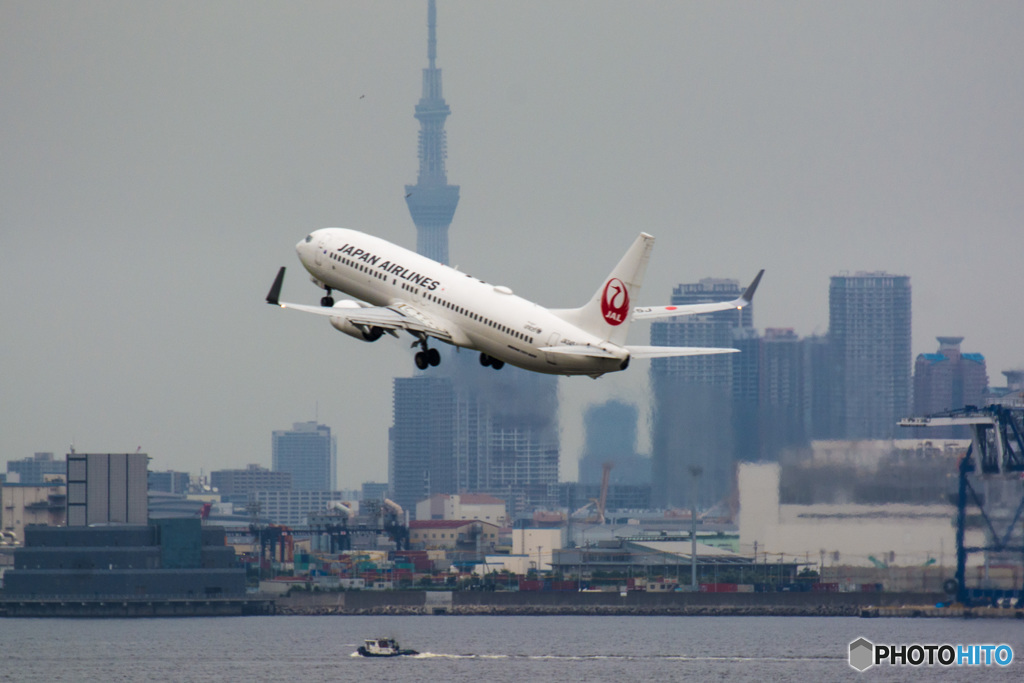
[(598, 503), (996, 450)]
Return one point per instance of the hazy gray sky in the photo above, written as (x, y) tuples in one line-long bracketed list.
[(160, 160)]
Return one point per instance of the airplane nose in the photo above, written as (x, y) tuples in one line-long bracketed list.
[(303, 246)]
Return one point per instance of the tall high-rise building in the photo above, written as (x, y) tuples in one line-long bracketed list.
[(781, 387), (309, 453), (432, 200), (746, 395), (869, 329), (693, 421), (820, 419), (465, 428), (421, 459), (505, 435), (475, 431), (609, 436), (948, 380)]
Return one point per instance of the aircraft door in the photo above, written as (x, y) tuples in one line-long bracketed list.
[(321, 245)]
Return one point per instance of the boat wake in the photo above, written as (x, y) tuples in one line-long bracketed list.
[(439, 655), (594, 657)]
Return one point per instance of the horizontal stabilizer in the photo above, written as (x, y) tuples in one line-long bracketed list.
[(673, 351), (654, 312)]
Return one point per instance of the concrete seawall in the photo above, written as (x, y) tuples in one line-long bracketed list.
[(512, 604), (121, 607), (570, 603)]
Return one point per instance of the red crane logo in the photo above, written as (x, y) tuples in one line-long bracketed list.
[(615, 302)]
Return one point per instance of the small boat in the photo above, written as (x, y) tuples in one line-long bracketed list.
[(383, 647)]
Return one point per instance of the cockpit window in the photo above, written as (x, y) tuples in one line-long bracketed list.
[(309, 238)]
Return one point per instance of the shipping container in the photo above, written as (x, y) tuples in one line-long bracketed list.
[(825, 587), (718, 588)]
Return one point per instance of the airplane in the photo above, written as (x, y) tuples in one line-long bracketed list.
[(396, 290)]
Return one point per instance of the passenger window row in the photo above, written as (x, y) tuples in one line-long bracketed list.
[(359, 266), (479, 318), (436, 299)]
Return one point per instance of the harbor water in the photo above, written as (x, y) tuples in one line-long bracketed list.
[(484, 648)]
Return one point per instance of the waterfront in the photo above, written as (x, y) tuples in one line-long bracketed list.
[(481, 648)]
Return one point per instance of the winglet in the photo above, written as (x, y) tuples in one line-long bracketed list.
[(748, 295), (274, 294)]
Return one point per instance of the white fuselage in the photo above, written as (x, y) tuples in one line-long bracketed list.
[(478, 315)]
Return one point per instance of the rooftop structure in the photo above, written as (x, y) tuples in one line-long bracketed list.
[(107, 488)]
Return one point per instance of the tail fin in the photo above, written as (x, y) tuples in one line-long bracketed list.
[(607, 314)]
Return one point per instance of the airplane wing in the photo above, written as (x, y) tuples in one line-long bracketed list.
[(578, 350), (637, 351), (390, 318), (651, 313), (672, 351)]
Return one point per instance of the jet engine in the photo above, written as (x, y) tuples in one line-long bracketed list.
[(361, 332)]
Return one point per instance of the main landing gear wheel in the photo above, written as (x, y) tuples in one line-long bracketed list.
[(427, 358), (487, 361), (328, 300)]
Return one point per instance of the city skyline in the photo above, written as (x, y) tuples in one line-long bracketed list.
[(161, 161)]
